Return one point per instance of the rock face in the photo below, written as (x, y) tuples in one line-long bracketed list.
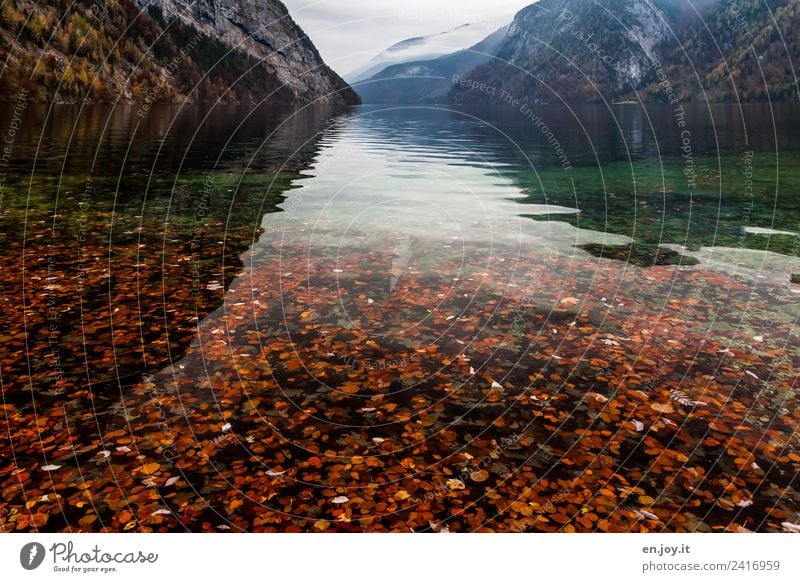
[(576, 50), (146, 51), (649, 50), (579, 51), (263, 29)]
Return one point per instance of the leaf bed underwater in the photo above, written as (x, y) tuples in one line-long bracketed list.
[(625, 400)]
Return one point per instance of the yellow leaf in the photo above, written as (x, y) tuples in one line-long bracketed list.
[(401, 495), (455, 484)]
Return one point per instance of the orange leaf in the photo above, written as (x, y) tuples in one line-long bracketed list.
[(479, 476), (559, 518), (662, 408), (38, 520)]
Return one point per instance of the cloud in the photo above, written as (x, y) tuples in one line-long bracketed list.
[(348, 34)]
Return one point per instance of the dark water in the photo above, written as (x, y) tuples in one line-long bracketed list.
[(509, 320)]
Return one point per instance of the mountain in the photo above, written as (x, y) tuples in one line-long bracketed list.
[(655, 50), (161, 51), (746, 50), (614, 50), (576, 50), (424, 48), (427, 81)]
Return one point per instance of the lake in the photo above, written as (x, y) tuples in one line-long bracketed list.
[(400, 319)]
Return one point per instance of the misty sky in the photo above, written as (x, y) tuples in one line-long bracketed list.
[(348, 33)]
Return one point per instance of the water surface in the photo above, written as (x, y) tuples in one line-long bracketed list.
[(402, 319)]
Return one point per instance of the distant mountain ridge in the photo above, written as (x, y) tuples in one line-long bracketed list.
[(161, 51), (423, 48), (612, 50), (427, 81)]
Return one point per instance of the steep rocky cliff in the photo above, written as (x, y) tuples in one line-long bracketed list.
[(575, 50), (611, 50), (653, 50), (262, 29), (161, 51)]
